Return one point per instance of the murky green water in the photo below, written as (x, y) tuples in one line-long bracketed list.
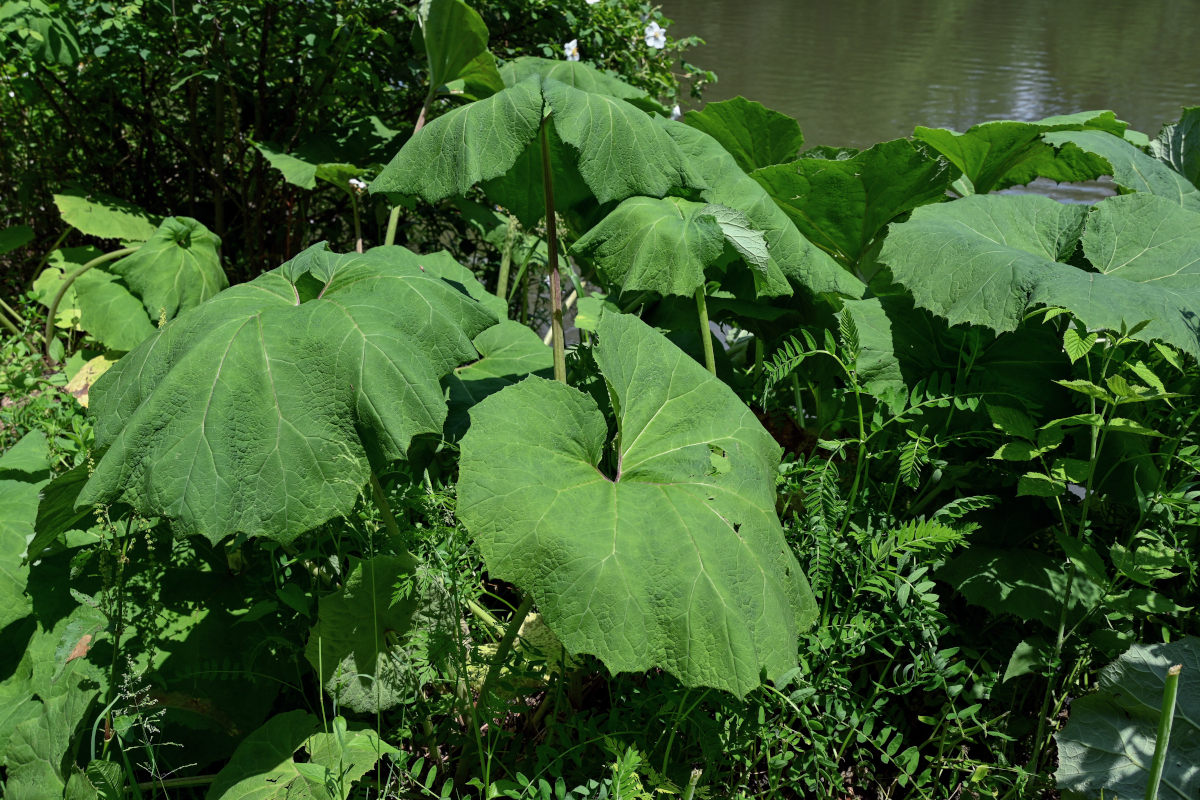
[(856, 72)]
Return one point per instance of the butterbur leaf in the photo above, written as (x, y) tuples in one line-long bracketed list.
[(621, 152), (465, 146), (996, 155), (841, 206), (265, 767), (648, 244), (454, 38), (675, 558), (790, 254), (1178, 145), (259, 411), (1108, 743), (508, 352), (22, 475), (176, 269), (104, 216), (13, 237), (110, 312), (578, 74), (989, 259), (754, 135), (1132, 169), (354, 646)]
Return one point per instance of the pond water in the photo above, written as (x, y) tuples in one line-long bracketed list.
[(857, 72)]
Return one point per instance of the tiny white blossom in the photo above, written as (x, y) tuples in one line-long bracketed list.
[(676, 113), (571, 50), (592, 2), (358, 185), (656, 36)]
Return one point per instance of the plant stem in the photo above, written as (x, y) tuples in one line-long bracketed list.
[(556, 311), (506, 259), (12, 312), (705, 334), (692, 782), (1165, 719), (358, 242), (502, 649), (62, 290), (394, 216), (10, 325)]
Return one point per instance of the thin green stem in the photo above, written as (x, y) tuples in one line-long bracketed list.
[(556, 308), (48, 337), (394, 216), (692, 782), (1165, 719), (12, 312), (705, 334), (358, 240), (506, 258), (502, 649), (13, 329)]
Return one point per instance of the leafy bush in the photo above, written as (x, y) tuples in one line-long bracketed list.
[(348, 529)]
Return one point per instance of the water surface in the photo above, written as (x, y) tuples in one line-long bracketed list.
[(856, 72)]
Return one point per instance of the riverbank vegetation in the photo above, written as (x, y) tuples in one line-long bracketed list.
[(410, 402)]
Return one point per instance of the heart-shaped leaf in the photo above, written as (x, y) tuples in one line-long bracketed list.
[(104, 216), (258, 410), (265, 765), (987, 259), (675, 559), (754, 135), (1108, 742), (996, 155), (648, 244), (354, 645), (791, 254), (1178, 145), (508, 352), (1131, 168), (177, 268), (842, 205)]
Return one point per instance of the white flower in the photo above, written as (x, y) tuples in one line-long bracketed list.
[(656, 36), (676, 113), (358, 185), (571, 49), (592, 2)]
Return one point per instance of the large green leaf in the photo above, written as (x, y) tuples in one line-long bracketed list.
[(22, 475), (754, 135), (675, 558), (265, 766), (1178, 145), (901, 348), (988, 259), (996, 155), (1108, 742), (177, 268), (354, 647), (258, 410), (110, 312), (37, 751), (581, 75), (465, 146), (621, 151), (616, 148), (842, 205), (455, 38), (648, 244), (104, 216), (1130, 168), (792, 255), (1025, 583), (508, 352), (14, 237)]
